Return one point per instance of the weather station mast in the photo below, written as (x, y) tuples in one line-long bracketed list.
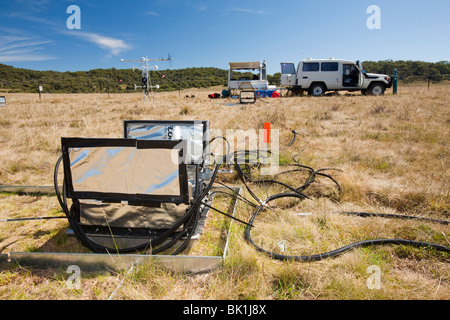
[(146, 81)]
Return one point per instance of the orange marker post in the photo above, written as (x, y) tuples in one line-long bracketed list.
[(266, 132)]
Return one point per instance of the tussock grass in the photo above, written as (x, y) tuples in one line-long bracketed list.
[(392, 150)]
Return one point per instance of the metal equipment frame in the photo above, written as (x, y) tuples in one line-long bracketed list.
[(101, 261)]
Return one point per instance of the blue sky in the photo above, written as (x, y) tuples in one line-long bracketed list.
[(210, 33)]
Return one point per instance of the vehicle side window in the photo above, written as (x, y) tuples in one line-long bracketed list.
[(310, 66), (287, 68), (329, 66)]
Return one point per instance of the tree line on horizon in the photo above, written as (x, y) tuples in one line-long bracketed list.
[(123, 80)]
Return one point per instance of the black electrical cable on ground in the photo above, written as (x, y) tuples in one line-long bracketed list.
[(226, 214), (239, 158), (293, 139), (320, 256), (397, 216), (298, 194), (31, 219), (235, 194), (311, 178)]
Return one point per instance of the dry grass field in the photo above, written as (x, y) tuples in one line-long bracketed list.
[(393, 155)]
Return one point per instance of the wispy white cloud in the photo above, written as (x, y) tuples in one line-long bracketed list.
[(189, 5), (24, 44), (18, 45), (113, 45), (37, 3), (25, 57), (246, 10), (33, 18), (33, 5), (152, 13)]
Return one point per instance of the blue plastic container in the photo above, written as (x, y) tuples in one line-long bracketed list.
[(261, 93)]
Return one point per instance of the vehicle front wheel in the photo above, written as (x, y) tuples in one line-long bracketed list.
[(317, 90), (377, 89)]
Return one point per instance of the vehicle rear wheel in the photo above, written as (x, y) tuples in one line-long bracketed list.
[(317, 90), (377, 89)]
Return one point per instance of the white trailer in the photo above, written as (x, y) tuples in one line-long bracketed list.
[(247, 75), (316, 76)]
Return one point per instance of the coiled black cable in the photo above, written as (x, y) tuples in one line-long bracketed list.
[(240, 159), (320, 256), (297, 192)]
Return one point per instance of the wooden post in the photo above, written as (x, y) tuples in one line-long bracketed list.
[(109, 78)]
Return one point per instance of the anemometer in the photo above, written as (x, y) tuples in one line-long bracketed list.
[(146, 84)]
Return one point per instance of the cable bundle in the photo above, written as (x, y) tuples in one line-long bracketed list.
[(297, 192)]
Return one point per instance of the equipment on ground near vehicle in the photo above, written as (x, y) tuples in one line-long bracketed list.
[(247, 75), (247, 96)]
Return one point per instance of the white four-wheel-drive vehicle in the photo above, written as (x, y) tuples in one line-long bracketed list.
[(316, 76)]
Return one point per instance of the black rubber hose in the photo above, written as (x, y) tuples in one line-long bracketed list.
[(364, 243), (293, 139), (223, 138), (235, 194), (94, 246), (397, 216), (320, 256), (311, 178), (244, 178)]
